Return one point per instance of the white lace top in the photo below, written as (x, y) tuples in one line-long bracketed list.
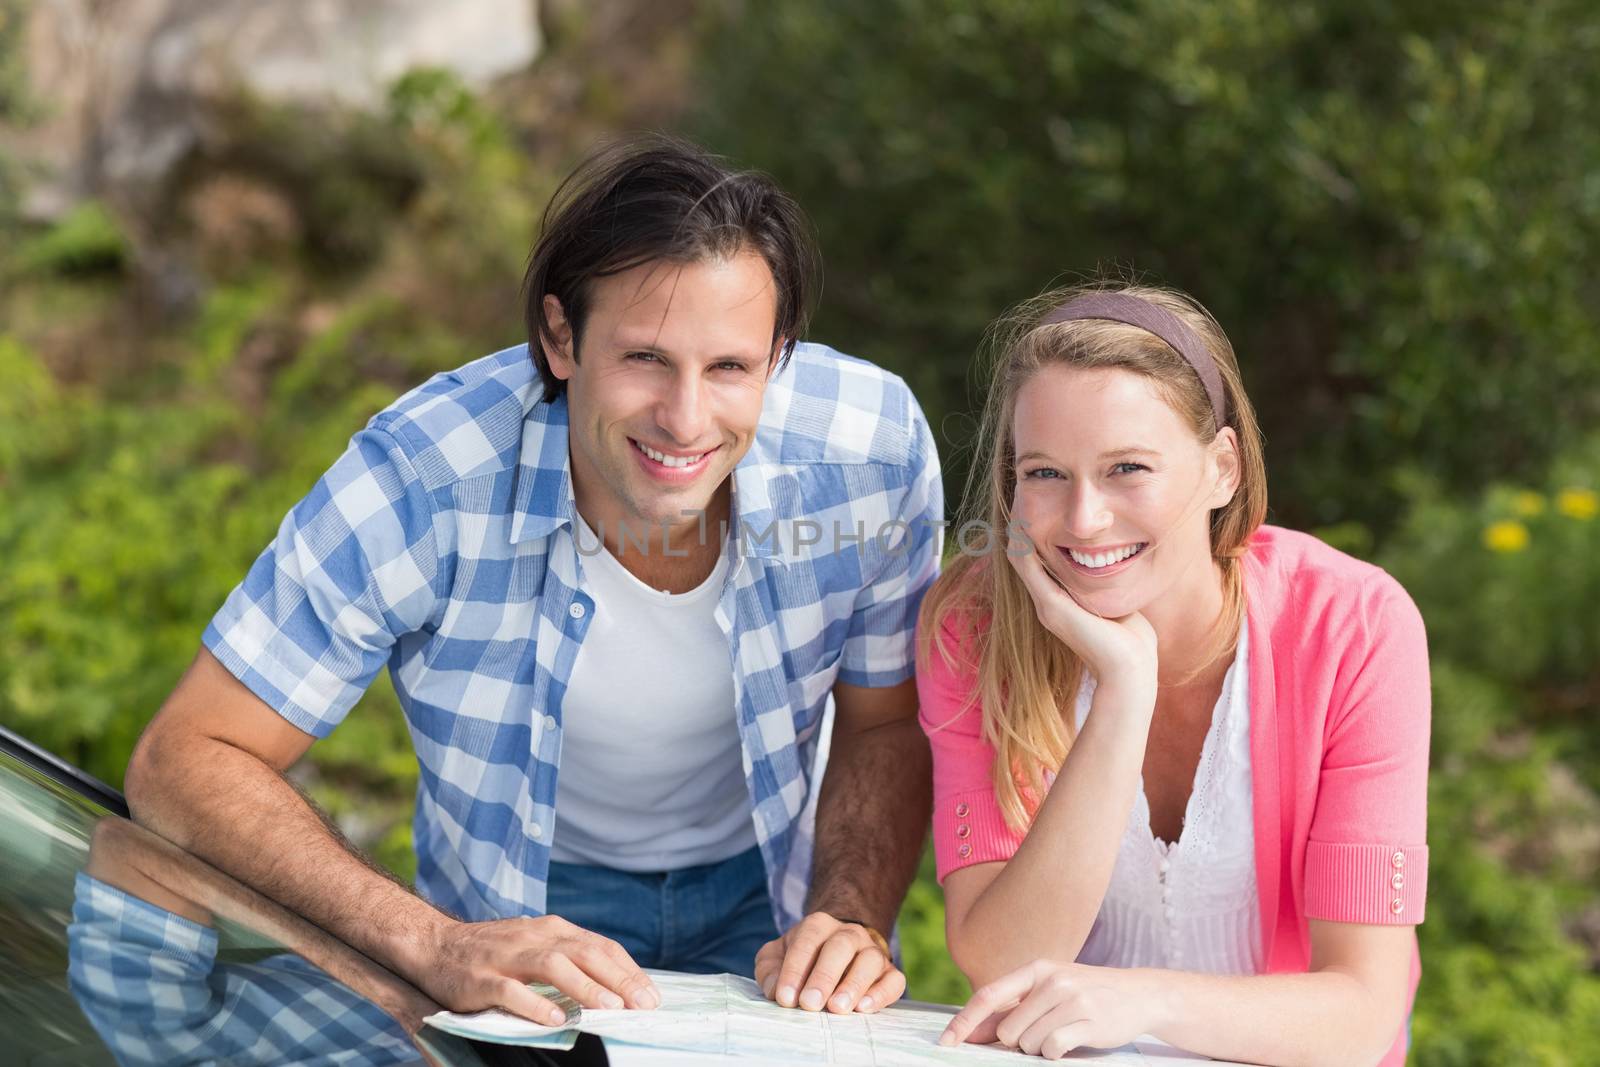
[(1190, 905)]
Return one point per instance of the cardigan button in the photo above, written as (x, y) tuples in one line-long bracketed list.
[(962, 811), (1398, 860), (1398, 881), (964, 851), (963, 830), (1397, 906)]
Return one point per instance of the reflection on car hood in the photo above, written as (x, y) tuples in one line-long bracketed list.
[(119, 947)]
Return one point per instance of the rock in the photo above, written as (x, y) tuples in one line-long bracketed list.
[(129, 88)]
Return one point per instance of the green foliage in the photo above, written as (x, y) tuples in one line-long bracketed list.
[(1511, 578), (930, 974), (122, 534), (1508, 583), (1502, 982), (87, 240), (1384, 204)]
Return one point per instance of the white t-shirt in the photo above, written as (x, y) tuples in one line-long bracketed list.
[(652, 769)]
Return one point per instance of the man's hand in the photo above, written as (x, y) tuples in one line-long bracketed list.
[(474, 966), (823, 961)]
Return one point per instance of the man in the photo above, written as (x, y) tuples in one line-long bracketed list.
[(616, 578)]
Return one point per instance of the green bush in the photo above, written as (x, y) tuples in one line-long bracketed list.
[(1386, 205), (123, 531), (1508, 583), (87, 240)]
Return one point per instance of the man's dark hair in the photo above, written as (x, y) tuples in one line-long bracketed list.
[(652, 198)]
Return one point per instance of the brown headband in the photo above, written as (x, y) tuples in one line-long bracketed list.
[(1121, 307)]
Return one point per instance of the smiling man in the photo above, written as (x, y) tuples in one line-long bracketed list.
[(617, 577)]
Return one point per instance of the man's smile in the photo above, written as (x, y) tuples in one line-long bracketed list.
[(671, 466)]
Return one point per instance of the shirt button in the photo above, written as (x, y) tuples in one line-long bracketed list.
[(1398, 860), (537, 831), (963, 830), (1398, 881), (576, 610), (549, 722), (962, 811), (1164, 865), (964, 851), (1397, 905)]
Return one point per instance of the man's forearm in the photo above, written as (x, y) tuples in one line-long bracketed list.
[(239, 814), (872, 817)]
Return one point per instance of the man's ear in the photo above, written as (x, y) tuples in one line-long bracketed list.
[(559, 357), (1225, 461)]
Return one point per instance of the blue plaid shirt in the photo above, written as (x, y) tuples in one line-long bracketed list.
[(149, 983), (441, 544)]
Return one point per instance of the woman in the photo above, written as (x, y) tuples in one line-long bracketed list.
[(1180, 758)]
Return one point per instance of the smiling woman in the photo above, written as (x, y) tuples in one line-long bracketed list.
[(1172, 745)]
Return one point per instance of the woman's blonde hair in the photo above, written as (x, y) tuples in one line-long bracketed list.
[(1028, 679)]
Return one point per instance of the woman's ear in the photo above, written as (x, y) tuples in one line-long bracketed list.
[(560, 357), (1226, 468)]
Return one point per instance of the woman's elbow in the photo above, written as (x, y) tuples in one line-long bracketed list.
[(982, 956)]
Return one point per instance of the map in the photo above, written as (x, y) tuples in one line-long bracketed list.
[(726, 1016)]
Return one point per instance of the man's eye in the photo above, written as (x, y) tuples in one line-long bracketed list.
[(644, 357), (731, 366)]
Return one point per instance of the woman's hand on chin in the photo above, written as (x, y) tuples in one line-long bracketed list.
[(1048, 1009), (1117, 651)]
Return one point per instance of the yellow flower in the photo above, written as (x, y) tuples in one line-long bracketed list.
[(1528, 503), (1508, 535), (1578, 503)]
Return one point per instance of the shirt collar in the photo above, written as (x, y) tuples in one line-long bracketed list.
[(766, 498), (543, 495)]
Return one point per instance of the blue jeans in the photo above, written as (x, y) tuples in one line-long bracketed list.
[(704, 920)]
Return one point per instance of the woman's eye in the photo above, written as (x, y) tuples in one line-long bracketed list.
[(1042, 473), (1128, 468)]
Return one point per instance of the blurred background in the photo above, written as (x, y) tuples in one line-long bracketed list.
[(231, 231)]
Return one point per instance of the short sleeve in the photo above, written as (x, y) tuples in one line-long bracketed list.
[(880, 644), (1367, 857), (149, 983), (968, 826), (353, 568)]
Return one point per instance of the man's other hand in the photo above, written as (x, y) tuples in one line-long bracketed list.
[(822, 962), (480, 965)]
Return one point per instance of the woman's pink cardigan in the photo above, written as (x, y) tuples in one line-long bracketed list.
[(1339, 721)]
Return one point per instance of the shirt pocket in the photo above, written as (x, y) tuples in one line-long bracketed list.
[(811, 693)]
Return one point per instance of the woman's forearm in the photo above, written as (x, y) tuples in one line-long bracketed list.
[(1044, 902), (1292, 1020)]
